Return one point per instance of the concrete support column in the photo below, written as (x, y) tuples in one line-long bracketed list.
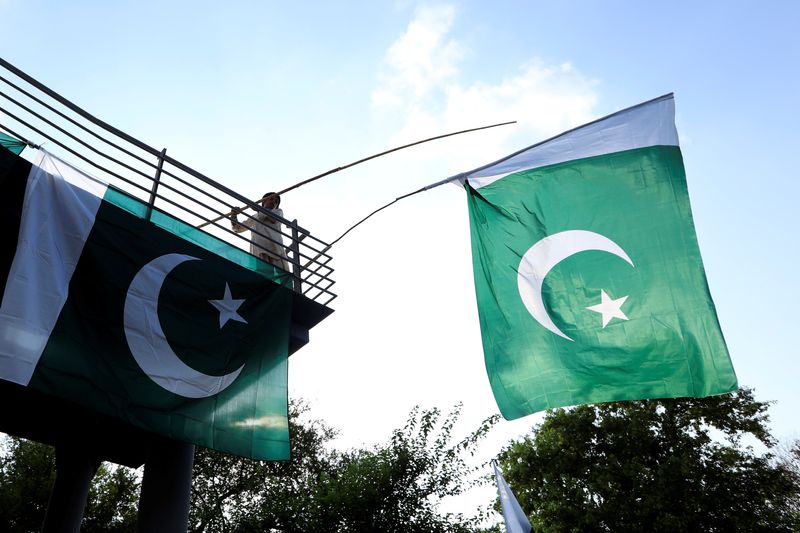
[(74, 472), (166, 487)]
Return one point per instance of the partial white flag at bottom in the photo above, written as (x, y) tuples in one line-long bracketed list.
[(515, 519)]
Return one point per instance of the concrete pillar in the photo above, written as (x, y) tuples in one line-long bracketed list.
[(74, 472), (166, 487)]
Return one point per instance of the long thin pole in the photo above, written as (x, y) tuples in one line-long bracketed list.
[(463, 175), (354, 163)]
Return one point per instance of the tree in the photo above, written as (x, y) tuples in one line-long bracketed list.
[(27, 473), (789, 458), (395, 486), (228, 491), (654, 465), (113, 500), (392, 487)]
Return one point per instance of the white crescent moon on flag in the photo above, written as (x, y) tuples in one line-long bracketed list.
[(148, 343), (540, 258)]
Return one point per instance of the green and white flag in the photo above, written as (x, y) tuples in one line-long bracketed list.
[(589, 282), (165, 327)]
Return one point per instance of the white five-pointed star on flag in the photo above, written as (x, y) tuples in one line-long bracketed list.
[(609, 308), (228, 308)]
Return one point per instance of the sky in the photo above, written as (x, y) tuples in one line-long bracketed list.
[(260, 95)]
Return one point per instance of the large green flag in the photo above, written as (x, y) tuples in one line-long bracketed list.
[(588, 276), (149, 321)]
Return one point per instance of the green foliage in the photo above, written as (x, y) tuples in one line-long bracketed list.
[(654, 465), (112, 501), (229, 491), (393, 487), (27, 473), (789, 460), (397, 486)]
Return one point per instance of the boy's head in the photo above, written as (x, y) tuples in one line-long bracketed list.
[(271, 201)]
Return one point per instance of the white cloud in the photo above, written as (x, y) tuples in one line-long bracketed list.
[(421, 60), (423, 84)]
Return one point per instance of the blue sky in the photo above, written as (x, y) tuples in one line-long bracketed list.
[(260, 95)]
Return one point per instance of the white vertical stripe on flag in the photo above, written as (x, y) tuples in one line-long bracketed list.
[(649, 124), (58, 212)]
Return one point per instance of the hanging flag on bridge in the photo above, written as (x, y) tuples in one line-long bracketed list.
[(589, 281), (108, 310)]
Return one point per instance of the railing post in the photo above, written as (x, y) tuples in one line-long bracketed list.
[(298, 281), (154, 188)]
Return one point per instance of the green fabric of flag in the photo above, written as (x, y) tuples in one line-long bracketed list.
[(588, 276), (11, 144), (111, 311)]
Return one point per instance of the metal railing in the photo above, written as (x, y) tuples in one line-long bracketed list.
[(32, 112)]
